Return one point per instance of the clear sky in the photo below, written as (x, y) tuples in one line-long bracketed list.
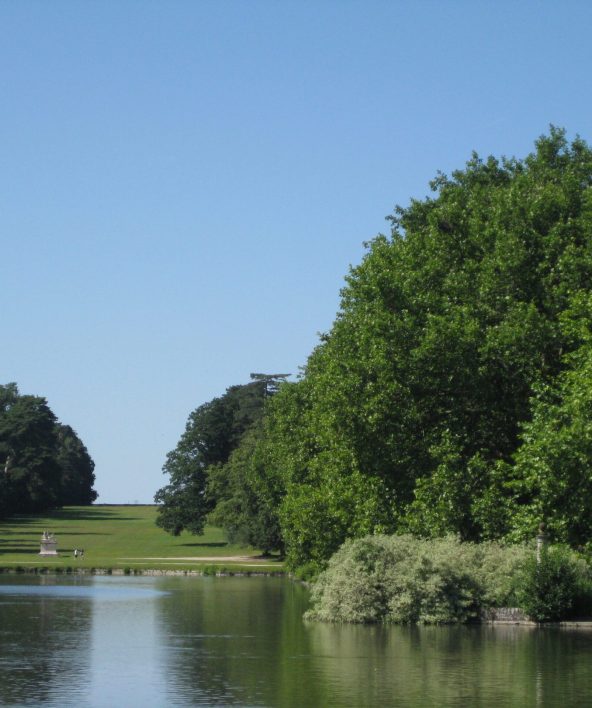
[(184, 185)]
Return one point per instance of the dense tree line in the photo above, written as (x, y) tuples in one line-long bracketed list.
[(454, 391), (208, 475), (43, 463)]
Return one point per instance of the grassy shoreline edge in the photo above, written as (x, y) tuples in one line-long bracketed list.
[(122, 539), (220, 571), (583, 624)]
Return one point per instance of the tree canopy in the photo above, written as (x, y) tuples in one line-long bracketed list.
[(453, 392), (43, 463), (202, 474), (419, 409)]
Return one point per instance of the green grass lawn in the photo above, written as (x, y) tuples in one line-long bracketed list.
[(119, 537)]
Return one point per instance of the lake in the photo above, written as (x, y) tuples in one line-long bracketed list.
[(204, 641)]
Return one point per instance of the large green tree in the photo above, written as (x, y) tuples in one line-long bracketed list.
[(43, 464), (29, 443), (411, 408)]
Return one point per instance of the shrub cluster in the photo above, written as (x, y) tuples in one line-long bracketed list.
[(404, 579), (556, 586)]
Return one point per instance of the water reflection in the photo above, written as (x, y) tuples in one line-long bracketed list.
[(145, 642), (124, 646), (238, 641), (43, 646), (454, 666)]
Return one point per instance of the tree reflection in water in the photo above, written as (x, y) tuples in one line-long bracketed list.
[(171, 641)]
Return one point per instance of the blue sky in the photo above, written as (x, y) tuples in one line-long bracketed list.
[(184, 185)]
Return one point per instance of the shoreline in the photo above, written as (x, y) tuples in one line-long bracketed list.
[(213, 570), (499, 617)]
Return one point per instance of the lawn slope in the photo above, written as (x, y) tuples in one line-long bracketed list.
[(120, 537)]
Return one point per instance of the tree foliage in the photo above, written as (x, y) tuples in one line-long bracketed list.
[(551, 479), (247, 501), (551, 585), (403, 579), (76, 469), (453, 392), (43, 463), (203, 476), (414, 408)]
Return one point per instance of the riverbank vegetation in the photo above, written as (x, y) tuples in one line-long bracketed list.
[(43, 463), (555, 586), (453, 393), (408, 580)]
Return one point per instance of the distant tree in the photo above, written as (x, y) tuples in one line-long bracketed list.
[(8, 396), (29, 445), (182, 502), (271, 382), (213, 431), (247, 504), (76, 469), (43, 464)]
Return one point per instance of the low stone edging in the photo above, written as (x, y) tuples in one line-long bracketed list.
[(514, 615), (507, 615)]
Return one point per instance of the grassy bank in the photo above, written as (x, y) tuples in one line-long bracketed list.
[(119, 538)]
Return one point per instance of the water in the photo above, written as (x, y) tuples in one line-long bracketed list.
[(174, 641)]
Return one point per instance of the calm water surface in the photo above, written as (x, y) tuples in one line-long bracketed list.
[(105, 641)]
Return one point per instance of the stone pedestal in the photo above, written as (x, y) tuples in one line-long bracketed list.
[(48, 545)]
